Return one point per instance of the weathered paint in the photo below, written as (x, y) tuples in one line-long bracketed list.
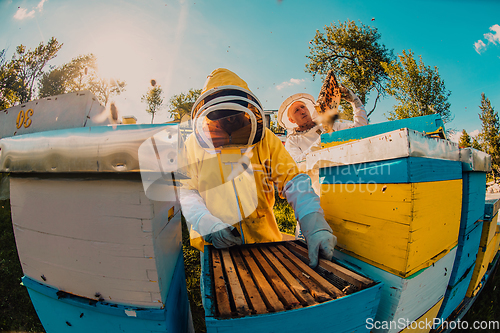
[(77, 109), (329, 316), (467, 249), (455, 294), (399, 143), (484, 256), (428, 123), (473, 200), (489, 230), (399, 170), (60, 312), (495, 244), (424, 323), (96, 236), (400, 228), (405, 298)]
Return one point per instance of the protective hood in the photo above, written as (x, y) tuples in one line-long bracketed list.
[(307, 99), (227, 113)]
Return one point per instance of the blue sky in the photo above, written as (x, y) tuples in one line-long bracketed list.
[(179, 42)]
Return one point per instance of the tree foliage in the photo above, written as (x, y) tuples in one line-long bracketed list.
[(490, 133), (28, 66), (356, 56), (465, 141), (8, 80), (181, 105), (81, 73), (418, 89), (154, 99)]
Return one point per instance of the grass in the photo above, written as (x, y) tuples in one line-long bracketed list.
[(17, 312)]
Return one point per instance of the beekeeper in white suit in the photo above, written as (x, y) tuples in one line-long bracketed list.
[(297, 114)]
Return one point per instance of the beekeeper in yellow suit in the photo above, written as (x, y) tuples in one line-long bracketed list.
[(233, 163)]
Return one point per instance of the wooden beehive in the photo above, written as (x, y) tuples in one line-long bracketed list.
[(402, 221), (255, 287), (273, 277)]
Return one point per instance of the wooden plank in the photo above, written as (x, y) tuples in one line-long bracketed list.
[(285, 295), (268, 295), (353, 278), (327, 286), (254, 297), (299, 291), (313, 288), (234, 283), (221, 294)]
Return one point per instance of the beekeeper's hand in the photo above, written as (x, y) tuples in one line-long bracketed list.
[(319, 237), (217, 232), (349, 96)]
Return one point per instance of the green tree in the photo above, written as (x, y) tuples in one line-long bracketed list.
[(418, 88), (154, 99), (28, 66), (490, 133), (8, 81), (180, 105), (81, 73), (464, 141), (475, 144), (356, 56)]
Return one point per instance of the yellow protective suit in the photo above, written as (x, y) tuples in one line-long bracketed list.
[(236, 182), (247, 201)]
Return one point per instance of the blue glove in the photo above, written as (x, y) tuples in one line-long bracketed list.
[(319, 237)]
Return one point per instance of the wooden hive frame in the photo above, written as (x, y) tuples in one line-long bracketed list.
[(274, 277)]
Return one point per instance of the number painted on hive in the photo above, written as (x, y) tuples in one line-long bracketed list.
[(24, 118)]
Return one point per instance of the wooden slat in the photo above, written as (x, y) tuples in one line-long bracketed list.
[(299, 291), (279, 286), (268, 295), (220, 285), (254, 297), (353, 278), (234, 283), (327, 286), (313, 288)]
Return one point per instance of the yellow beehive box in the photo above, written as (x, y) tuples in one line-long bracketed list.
[(484, 256), (496, 245), (400, 228), (489, 230), (425, 323)]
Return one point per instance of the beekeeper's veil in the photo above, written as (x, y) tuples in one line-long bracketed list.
[(227, 113)]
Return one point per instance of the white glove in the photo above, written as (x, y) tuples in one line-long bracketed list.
[(349, 96), (319, 237), (217, 232)]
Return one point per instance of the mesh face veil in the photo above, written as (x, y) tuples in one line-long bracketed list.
[(226, 116)]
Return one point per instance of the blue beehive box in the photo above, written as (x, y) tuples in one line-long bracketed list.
[(254, 289)]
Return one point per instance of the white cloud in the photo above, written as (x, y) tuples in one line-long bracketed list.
[(290, 83), (23, 13), (479, 46), (455, 137), (474, 133), (493, 37)]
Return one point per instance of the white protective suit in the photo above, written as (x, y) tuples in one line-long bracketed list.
[(299, 144)]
